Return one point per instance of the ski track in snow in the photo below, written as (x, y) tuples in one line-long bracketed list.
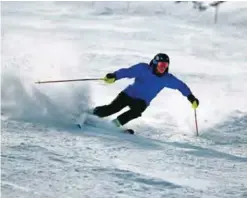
[(44, 155)]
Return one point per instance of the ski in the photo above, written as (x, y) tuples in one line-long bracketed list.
[(82, 120), (78, 125), (130, 131)]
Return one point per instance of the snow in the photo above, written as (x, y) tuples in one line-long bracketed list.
[(44, 155)]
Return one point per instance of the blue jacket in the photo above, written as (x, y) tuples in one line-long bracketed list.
[(147, 85)]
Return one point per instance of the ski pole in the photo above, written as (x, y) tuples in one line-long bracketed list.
[(197, 133), (72, 80)]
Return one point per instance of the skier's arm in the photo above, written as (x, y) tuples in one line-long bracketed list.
[(175, 83), (131, 72)]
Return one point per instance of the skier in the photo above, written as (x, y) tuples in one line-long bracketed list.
[(150, 79)]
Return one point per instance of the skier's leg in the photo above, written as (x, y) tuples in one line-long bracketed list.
[(137, 106), (116, 105)]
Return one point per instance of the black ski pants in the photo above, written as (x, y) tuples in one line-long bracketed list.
[(137, 106)]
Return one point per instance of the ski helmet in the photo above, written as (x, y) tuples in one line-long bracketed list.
[(160, 64)]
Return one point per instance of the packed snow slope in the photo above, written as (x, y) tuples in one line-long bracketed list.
[(43, 154)]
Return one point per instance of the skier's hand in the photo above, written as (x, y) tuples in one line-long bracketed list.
[(110, 78), (194, 101)]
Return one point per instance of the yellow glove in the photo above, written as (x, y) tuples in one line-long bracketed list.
[(194, 101), (109, 78), (195, 104)]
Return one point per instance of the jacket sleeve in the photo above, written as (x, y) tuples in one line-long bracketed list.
[(175, 83), (131, 72)]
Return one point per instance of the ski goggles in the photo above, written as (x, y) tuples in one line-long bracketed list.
[(161, 66)]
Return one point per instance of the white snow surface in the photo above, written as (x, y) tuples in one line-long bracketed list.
[(44, 155)]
